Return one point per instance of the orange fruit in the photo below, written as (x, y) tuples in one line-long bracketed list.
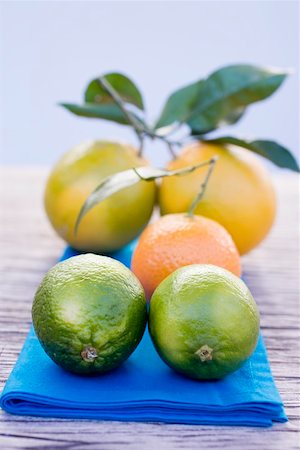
[(112, 223), (239, 194), (177, 240)]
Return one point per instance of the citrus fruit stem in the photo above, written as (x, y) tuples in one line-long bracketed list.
[(205, 353), (211, 163), (171, 148), (137, 126), (141, 129), (89, 354)]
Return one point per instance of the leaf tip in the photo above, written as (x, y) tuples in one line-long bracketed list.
[(64, 105), (290, 71), (296, 167), (76, 226), (79, 219), (138, 173)]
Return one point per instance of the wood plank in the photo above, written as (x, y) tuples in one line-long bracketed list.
[(29, 247)]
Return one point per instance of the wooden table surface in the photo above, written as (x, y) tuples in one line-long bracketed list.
[(29, 248)]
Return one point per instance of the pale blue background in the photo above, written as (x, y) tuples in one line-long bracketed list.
[(49, 50)]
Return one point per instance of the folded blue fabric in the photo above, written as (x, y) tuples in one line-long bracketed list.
[(142, 389)]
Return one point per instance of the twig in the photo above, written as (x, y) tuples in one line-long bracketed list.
[(162, 173), (140, 129), (137, 126), (170, 147), (141, 147), (203, 187)]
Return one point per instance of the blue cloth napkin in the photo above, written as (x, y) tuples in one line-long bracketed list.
[(142, 389)]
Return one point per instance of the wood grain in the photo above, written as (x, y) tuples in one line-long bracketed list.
[(29, 247)]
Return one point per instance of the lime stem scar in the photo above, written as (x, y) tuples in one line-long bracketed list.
[(89, 354), (205, 353)]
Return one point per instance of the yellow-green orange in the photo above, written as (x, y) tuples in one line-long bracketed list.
[(115, 221), (239, 195), (203, 321), (89, 313)]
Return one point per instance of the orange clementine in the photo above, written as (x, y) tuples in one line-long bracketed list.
[(239, 195), (177, 240)]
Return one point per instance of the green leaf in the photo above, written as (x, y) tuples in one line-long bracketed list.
[(228, 91), (127, 90), (99, 103), (179, 105), (222, 98), (106, 111), (122, 180), (271, 150)]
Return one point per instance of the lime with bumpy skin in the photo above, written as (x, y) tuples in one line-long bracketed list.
[(203, 321), (89, 313)]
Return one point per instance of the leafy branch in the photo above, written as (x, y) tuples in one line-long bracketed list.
[(203, 106), (136, 125), (121, 180)]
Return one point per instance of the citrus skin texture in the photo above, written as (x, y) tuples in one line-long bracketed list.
[(239, 195), (115, 221), (203, 321), (177, 240), (89, 313)]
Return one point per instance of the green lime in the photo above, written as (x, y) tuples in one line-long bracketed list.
[(89, 313), (203, 321)]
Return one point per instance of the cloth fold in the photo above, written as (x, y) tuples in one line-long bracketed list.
[(143, 389)]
